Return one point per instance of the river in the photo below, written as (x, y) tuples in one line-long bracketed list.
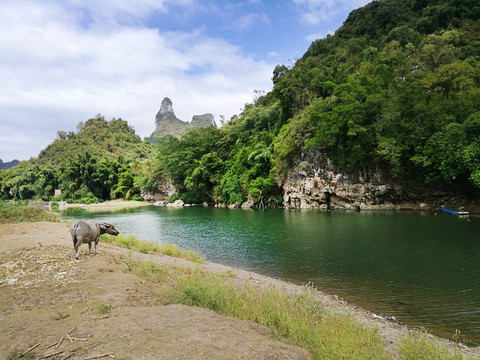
[(421, 268)]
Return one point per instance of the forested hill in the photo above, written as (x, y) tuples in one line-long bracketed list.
[(98, 162), (397, 85), (102, 139)]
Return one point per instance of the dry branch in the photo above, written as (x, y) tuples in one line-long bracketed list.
[(60, 342), (50, 355), (69, 338), (100, 356)]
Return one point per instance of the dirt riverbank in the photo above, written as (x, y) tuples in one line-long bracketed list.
[(95, 307)]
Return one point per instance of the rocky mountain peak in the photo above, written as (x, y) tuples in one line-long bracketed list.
[(204, 120), (166, 112), (168, 124)]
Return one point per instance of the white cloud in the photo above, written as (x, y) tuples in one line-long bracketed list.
[(250, 20), (56, 71), (314, 12)]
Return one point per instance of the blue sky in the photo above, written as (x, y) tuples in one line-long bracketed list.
[(64, 61)]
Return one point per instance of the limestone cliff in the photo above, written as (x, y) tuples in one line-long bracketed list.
[(204, 120), (167, 123), (316, 182)]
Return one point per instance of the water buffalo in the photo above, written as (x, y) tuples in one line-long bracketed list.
[(88, 232)]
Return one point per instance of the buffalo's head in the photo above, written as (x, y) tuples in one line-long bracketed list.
[(108, 229)]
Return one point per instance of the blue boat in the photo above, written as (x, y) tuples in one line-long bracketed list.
[(454, 212)]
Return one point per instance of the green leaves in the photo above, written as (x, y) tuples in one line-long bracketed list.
[(455, 151)]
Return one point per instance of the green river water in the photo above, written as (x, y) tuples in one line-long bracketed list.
[(421, 268)]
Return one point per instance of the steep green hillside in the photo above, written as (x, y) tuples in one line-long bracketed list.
[(394, 85), (397, 85), (100, 138)]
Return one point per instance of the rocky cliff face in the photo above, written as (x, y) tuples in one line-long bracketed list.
[(163, 193), (167, 123), (166, 113), (316, 182)]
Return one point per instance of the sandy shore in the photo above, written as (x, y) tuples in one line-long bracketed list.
[(45, 293), (107, 205)]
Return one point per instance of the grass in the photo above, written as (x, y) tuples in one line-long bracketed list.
[(105, 308), (421, 346), (15, 213), (147, 247), (297, 319), (148, 269)]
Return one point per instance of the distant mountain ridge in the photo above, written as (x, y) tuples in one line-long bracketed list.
[(8, 165), (167, 123)]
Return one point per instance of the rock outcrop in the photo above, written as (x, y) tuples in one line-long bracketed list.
[(204, 120), (162, 193), (166, 113), (316, 182), (167, 123)]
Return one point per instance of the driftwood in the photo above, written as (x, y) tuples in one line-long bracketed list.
[(100, 356), (66, 357)]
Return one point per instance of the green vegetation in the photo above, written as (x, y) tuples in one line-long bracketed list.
[(105, 308), (102, 139), (147, 247), (421, 346), (15, 213)]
